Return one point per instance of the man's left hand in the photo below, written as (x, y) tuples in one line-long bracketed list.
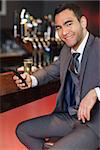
[(86, 105)]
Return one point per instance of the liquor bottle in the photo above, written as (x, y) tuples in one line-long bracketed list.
[(23, 22), (47, 52), (16, 23), (34, 54), (40, 54)]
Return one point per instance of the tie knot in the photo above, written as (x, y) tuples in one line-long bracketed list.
[(76, 55)]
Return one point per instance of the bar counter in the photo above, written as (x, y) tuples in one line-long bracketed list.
[(12, 97), (12, 58)]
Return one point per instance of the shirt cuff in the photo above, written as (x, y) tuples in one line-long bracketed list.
[(34, 81), (97, 89)]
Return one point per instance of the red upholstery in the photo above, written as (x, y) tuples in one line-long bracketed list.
[(10, 119)]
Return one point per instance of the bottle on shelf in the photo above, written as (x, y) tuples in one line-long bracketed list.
[(16, 24), (23, 21)]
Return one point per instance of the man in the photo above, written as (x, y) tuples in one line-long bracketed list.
[(76, 116)]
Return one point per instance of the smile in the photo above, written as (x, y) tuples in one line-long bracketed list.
[(68, 37)]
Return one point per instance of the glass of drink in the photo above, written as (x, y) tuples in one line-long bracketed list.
[(28, 65)]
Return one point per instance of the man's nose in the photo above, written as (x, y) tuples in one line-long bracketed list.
[(65, 30)]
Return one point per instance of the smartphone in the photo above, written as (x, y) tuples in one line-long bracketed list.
[(19, 76)]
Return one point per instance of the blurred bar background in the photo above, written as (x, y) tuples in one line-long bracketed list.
[(27, 31)]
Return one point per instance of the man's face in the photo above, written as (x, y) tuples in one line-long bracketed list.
[(69, 29)]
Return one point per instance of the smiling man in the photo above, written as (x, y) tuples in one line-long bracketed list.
[(71, 30), (76, 116)]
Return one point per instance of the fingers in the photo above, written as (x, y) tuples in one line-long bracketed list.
[(22, 86), (83, 114), (20, 69), (86, 106), (16, 79), (34, 68), (88, 115), (19, 82)]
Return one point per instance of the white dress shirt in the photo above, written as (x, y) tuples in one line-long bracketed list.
[(34, 81)]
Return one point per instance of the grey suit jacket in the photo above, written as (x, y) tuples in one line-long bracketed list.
[(89, 76)]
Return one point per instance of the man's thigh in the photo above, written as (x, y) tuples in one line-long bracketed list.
[(80, 138), (47, 126)]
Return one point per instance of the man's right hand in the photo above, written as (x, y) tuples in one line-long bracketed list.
[(19, 83)]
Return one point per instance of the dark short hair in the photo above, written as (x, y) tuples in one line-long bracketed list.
[(71, 6)]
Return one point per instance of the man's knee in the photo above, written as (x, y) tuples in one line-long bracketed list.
[(20, 130)]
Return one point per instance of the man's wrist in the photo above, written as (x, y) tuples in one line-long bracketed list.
[(34, 81)]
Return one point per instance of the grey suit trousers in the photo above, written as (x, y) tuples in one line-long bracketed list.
[(74, 135)]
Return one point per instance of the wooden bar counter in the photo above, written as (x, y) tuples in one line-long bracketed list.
[(12, 97)]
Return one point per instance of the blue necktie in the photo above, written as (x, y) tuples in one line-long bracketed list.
[(74, 70), (74, 63)]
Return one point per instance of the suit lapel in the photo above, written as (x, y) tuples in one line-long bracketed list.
[(85, 58), (66, 60)]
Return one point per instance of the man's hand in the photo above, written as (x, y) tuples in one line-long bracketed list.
[(19, 83), (86, 105)]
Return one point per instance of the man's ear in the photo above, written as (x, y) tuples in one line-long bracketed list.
[(83, 21)]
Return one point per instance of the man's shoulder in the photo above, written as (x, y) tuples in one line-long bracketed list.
[(95, 45), (65, 48), (97, 39), (97, 42), (94, 40), (65, 52)]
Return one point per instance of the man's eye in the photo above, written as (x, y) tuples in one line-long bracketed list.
[(58, 28), (69, 24)]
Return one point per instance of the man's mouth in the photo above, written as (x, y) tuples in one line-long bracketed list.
[(68, 37)]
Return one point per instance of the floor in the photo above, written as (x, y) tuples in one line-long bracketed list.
[(10, 119)]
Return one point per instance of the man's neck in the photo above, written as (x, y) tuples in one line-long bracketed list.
[(82, 45)]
